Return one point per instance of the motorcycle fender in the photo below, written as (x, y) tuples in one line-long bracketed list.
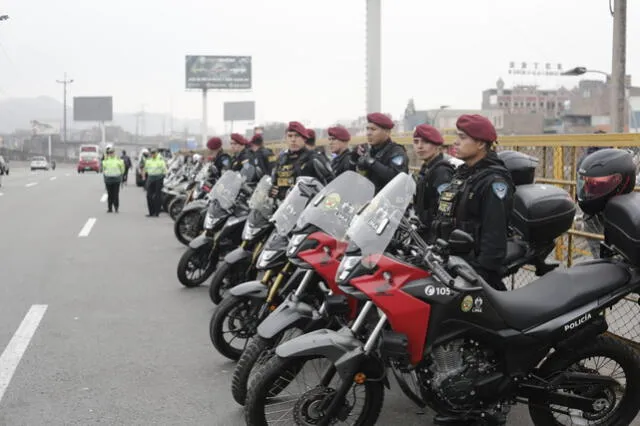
[(237, 255), (200, 241), (253, 289), (195, 205), (340, 347), (290, 314)]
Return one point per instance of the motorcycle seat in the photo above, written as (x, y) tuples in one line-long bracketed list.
[(557, 292)]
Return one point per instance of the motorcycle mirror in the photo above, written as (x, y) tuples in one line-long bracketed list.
[(460, 242)]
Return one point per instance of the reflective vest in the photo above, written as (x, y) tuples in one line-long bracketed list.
[(155, 166), (112, 167)]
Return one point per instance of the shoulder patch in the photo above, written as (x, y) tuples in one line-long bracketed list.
[(443, 187), (500, 189), (398, 160)]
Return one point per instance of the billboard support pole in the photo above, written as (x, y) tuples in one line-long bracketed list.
[(103, 130), (204, 117), (49, 142)]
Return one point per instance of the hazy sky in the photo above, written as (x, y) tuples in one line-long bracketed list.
[(308, 56)]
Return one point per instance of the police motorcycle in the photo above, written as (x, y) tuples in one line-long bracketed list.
[(181, 184), (474, 351), (244, 306), (224, 211), (240, 265), (194, 190), (316, 247)]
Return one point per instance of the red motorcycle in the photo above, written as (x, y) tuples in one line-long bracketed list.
[(473, 351), (316, 249)]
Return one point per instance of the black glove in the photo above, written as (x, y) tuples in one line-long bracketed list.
[(366, 161)]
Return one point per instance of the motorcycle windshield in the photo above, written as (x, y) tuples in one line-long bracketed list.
[(333, 209), (373, 229), (289, 211), (226, 189), (260, 200)]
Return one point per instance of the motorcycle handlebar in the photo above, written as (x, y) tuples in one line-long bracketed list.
[(440, 272)]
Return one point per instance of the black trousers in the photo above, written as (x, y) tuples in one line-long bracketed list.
[(154, 196), (125, 175), (113, 195)]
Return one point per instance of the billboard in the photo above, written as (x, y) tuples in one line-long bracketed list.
[(535, 68), (93, 108), (240, 111), (44, 128), (218, 72)]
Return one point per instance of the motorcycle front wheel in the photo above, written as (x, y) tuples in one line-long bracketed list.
[(187, 226), (234, 320), (196, 265), (226, 277), (297, 383), (176, 206)]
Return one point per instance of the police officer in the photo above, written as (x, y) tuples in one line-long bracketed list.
[(339, 138), (155, 169), (435, 174), (479, 199), (127, 165), (384, 159), (264, 158), (113, 170), (241, 151), (221, 160), (297, 161)]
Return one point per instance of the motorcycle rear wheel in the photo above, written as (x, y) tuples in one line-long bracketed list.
[(623, 411)]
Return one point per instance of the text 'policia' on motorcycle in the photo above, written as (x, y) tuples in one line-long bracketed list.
[(343, 273)]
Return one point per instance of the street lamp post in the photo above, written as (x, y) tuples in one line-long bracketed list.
[(434, 123), (617, 103), (64, 83)]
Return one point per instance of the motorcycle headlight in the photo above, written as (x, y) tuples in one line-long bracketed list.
[(249, 232), (346, 266), (294, 243), (208, 221), (265, 257)]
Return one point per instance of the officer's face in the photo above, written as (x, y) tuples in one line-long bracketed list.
[(296, 142), (336, 146), (236, 147), (425, 150), (377, 135), (468, 148)]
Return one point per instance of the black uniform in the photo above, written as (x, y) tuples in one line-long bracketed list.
[(434, 176), (265, 159), (383, 162), (241, 158), (222, 162), (343, 162), (479, 201), (292, 165)]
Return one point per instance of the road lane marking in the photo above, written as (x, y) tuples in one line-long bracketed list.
[(103, 199), (53, 178), (1, 194), (29, 185), (86, 229), (16, 348), (67, 174)]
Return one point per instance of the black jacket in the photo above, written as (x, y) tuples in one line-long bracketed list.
[(265, 159), (292, 165), (385, 162), (343, 162), (432, 179)]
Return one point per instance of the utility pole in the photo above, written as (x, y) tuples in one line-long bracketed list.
[(374, 56), (64, 83), (618, 66)]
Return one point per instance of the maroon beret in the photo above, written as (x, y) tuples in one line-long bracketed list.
[(477, 127), (238, 138), (297, 127), (380, 120), (311, 133), (429, 134), (257, 139), (340, 133), (214, 143)]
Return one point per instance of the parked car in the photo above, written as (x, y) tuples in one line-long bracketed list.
[(4, 166), (39, 163), (89, 163)]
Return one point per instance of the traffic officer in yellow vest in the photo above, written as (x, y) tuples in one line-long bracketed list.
[(112, 170), (154, 168)]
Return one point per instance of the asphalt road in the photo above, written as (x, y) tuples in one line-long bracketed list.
[(121, 342)]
